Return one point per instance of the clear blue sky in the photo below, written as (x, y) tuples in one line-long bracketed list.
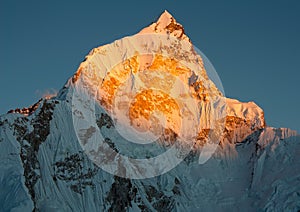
[(254, 45)]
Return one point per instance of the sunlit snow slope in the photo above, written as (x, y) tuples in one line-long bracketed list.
[(44, 167)]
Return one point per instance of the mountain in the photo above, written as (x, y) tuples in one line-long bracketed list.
[(90, 148)]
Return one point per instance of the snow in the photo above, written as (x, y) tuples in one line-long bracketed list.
[(14, 194), (245, 110), (254, 168), (161, 27)]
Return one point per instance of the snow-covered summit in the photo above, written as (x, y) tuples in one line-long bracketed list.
[(166, 24), (44, 167), (163, 46), (246, 111)]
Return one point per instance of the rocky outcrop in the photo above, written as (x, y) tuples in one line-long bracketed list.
[(254, 167)]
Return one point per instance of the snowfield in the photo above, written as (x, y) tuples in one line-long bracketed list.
[(45, 166)]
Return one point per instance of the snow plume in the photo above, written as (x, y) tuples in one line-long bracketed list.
[(47, 94)]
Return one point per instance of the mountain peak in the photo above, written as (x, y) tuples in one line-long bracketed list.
[(166, 24), (165, 18), (166, 13), (85, 148)]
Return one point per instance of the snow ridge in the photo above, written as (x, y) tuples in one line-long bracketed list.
[(44, 167)]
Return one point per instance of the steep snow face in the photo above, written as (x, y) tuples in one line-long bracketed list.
[(246, 111), (166, 24), (242, 120), (44, 166), (51, 172), (14, 195), (160, 62), (152, 85)]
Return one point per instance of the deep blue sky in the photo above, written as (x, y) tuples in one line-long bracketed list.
[(254, 45)]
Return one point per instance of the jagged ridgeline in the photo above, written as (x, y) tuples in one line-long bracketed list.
[(44, 166)]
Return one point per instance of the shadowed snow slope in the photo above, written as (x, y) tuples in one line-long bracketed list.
[(44, 167)]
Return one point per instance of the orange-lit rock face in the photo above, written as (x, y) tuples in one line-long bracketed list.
[(148, 102), (144, 66), (115, 78), (168, 89), (150, 98), (169, 65)]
